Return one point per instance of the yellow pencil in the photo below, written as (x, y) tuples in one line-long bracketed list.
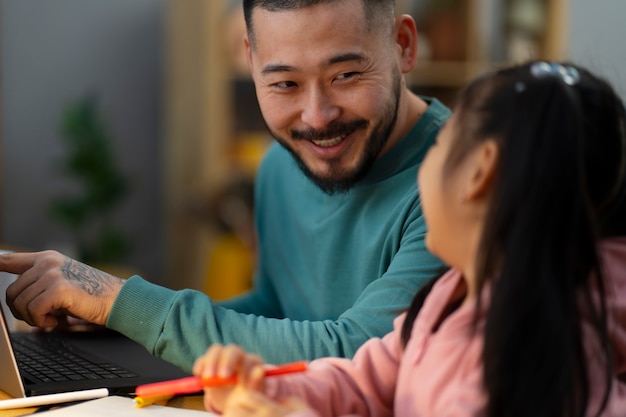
[(157, 399)]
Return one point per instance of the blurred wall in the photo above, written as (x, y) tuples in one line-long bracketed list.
[(54, 52), (596, 39)]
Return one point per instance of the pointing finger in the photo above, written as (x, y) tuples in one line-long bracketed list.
[(17, 263)]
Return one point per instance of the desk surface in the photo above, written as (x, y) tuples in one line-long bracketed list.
[(189, 402)]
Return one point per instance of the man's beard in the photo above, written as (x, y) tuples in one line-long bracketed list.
[(339, 181)]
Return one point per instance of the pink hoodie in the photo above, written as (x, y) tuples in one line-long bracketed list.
[(440, 374)]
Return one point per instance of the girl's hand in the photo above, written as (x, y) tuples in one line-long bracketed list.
[(245, 402), (226, 362)]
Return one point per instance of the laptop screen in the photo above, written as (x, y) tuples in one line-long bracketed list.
[(10, 380)]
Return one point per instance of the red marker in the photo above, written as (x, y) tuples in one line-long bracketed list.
[(194, 384)]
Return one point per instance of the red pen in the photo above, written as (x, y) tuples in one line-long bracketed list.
[(195, 384)]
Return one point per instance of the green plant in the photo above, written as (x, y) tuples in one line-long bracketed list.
[(90, 161)]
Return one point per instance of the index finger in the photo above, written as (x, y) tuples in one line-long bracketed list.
[(17, 262)]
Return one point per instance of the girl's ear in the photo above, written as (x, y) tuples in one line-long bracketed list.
[(482, 171), (406, 41)]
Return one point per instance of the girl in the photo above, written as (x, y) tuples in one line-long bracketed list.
[(524, 194)]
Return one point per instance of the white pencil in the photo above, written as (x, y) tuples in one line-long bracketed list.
[(63, 397)]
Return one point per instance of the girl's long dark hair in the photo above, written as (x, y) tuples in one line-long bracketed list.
[(558, 187)]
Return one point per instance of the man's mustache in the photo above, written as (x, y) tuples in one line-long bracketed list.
[(334, 130)]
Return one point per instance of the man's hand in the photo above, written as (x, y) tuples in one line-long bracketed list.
[(50, 283)]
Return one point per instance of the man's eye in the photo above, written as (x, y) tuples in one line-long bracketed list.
[(347, 75), (284, 85)]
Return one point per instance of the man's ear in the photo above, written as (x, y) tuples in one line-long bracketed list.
[(246, 43), (406, 40), (484, 162)]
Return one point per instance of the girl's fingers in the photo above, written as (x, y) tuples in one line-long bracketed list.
[(245, 402), (256, 378)]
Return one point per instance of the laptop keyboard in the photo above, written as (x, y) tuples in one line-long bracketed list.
[(53, 361)]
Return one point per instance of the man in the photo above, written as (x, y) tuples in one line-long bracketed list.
[(340, 229)]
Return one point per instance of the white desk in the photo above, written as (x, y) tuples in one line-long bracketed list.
[(189, 402)]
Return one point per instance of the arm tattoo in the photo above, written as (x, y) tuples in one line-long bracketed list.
[(91, 280)]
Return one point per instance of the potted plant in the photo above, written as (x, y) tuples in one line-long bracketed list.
[(90, 162)]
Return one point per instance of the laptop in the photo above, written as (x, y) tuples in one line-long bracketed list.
[(103, 359)]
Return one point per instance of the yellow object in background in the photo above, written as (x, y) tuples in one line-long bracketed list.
[(230, 264), (230, 268)]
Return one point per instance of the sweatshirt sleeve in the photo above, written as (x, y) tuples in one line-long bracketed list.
[(179, 326)]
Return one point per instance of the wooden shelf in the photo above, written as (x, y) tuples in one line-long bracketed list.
[(448, 74)]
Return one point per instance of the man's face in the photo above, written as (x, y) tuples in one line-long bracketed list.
[(328, 89)]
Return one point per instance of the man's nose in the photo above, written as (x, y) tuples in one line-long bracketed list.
[(319, 109)]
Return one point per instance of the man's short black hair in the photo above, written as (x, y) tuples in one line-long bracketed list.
[(376, 11)]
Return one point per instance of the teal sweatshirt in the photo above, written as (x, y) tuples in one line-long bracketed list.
[(332, 272)]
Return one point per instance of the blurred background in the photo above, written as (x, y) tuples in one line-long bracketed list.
[(130, 133)]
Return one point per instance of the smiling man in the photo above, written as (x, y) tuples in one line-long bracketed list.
[(339, 224), (333, 104)]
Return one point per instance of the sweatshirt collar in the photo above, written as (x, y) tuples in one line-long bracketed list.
[(412, 147)]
